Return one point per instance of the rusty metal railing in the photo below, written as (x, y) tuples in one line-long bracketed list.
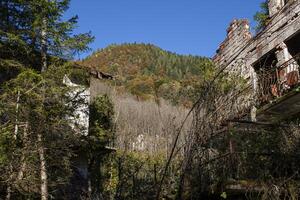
[(274, 82)]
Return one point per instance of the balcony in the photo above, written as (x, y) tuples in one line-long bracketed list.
[(278, 91)]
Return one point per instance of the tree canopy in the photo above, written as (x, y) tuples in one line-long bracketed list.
[(28, 25)]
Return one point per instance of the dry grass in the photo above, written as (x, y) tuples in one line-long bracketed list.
[(143, 125)]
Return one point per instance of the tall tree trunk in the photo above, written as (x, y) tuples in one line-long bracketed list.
[(23, 161), (41, 150), (44, 45), (43, 169), (17, 120), (89, 179), (9, 189)]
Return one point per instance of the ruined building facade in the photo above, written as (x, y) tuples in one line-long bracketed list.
[(269, 60)]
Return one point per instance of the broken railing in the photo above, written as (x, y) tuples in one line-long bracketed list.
[(274, 82)]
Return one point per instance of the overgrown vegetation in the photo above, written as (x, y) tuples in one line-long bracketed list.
[(46, 153), (101, 133), (230, 156), (34, 105), (135, 175), (38, 137)]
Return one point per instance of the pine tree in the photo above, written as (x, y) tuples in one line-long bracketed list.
[(34, 105), (262, 16), (37, 26), (101, 133), (41, 118)]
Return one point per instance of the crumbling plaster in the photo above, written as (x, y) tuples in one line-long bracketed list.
[(240, 50)]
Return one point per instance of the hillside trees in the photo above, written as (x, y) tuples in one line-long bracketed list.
[(149, 72), (34, 105)]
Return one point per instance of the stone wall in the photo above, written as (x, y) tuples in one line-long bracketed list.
[(240, 51), (238, 36)]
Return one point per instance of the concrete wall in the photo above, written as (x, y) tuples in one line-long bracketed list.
[(240, 50)]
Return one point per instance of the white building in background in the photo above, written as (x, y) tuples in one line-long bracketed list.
[(80, 118), (139, 143)]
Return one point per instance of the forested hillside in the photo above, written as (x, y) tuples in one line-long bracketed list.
[(150, 72)]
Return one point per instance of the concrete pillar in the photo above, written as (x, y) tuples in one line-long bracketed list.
[(254, 80), (288, 70), (275, 6), (253, 113), (282, 54)]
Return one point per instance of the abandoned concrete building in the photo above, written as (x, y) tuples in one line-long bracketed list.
[(270, 60)]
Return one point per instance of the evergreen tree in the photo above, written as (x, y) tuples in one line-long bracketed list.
[(36, 138), (262, 16), (37, 26), (33, 109), (101, 133)]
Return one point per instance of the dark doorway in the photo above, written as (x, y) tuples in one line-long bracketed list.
[(267, 61), (293, 45)]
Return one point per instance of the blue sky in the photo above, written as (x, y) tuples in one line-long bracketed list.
[(194, 27)]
